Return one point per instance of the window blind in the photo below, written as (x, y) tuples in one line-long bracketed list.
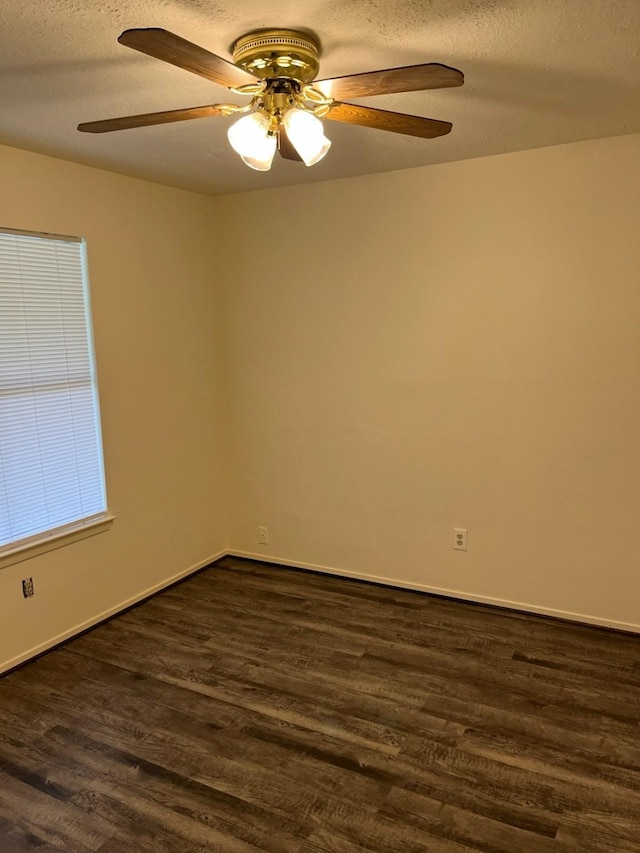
[(51, 468)]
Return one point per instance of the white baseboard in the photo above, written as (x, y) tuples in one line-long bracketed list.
[(330, 570), (106, 614), (449, 593)]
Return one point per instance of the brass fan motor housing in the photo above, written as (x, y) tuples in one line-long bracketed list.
[(278, 54)]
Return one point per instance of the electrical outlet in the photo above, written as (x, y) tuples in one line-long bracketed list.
[(27, 587), (263, 536), (460, 538)]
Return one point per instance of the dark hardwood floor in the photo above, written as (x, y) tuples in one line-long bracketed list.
[(258, 708)]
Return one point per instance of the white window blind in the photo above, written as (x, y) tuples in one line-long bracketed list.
[(51, 468)]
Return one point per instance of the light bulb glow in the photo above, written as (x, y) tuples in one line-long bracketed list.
[(250, 138), (306, 134)]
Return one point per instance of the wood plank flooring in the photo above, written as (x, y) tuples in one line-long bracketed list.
[(256, 708)]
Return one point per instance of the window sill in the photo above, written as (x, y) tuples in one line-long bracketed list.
[(59, 540)]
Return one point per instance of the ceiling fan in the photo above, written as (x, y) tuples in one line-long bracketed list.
[(277, 68)]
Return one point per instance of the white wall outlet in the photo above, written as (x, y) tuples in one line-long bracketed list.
[(460, 538), (263, 536)]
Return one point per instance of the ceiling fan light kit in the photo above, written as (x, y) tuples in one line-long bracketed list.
[(286, 61), (277, 68)]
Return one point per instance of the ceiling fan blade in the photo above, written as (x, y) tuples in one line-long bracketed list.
[(427, 128), (148, 119), (285, 146), (168, 47), (410, 78)]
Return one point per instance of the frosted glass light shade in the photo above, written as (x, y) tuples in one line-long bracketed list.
[(250, 138), (306, 134), (261, 165)]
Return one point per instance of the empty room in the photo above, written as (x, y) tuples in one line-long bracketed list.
[(319, 415)]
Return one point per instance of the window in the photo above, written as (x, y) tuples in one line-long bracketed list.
[(51, 468)]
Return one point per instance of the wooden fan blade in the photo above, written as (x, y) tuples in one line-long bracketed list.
[(410, 78), (427, 128), (285, 146), (168, 47), (148, 119)]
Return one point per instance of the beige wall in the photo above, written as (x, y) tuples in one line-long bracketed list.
[(450, 346), (156, 323)]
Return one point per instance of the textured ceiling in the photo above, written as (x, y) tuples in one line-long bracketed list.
[(538, 72)]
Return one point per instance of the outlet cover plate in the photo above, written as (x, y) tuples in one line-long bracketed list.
[(460, 538)]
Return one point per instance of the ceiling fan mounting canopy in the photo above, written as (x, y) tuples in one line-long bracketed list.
[(272, 54)]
